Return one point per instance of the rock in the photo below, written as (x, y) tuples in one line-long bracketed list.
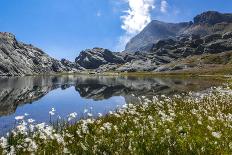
[(152, 33), (71, 65), (93, 58), (212, 17), (227, 35), (167, 51), (18, 59), (198, 42), (137, 65), (129, 58), (210, 38), (180, 67), (107, 68), (194, 37), (164, 42), (219, 46), (162, 69)]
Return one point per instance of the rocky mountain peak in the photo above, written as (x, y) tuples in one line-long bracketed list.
[(204, 24), (7, 35), (93, 58), (212, 17)]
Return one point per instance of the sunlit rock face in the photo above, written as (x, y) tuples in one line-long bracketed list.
[(17, 59), (93, 58)]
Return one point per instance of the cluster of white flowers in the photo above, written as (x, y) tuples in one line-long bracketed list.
[(72, 116), (155, 122), (52, 112)]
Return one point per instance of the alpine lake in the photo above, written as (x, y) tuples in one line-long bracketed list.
[(34, 96)]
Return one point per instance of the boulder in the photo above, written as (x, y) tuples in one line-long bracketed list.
[(93, 58)]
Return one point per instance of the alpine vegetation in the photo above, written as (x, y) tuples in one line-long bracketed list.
[(193, 123)]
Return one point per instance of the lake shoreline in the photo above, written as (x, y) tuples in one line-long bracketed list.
[(225, 72)]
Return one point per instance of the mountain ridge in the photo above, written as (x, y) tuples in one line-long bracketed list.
[(19, 59), (203, 24), (208, 34)]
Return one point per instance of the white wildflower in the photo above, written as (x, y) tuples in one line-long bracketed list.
[(66, 151), (90, 115), (83, 147), (51, 113), (86, 110), (40, 126), (107, 126), (3, 142), (216, 134), (19, 117), (31, 120), (72, 116), (100, 114)]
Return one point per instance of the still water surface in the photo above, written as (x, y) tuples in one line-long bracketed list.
[(36, 96)]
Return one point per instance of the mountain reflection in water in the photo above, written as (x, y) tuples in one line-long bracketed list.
[(18, 91)]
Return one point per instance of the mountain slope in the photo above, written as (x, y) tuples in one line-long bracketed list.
[(17, 59), (204, 24), (154, 31)]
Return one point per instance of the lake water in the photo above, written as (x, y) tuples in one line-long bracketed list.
[(36, 96)]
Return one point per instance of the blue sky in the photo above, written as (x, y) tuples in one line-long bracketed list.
[(63, 28)]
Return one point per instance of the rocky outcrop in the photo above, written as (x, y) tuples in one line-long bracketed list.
[(70, 66), (17, 59), (93, 58), (212, 17), (137, 66), (207, 23), (199, 63), (169, 50)]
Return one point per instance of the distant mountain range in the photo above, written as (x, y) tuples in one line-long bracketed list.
[(204, 24), (160, 47)]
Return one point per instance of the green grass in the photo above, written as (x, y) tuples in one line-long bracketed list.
[(187, 124)]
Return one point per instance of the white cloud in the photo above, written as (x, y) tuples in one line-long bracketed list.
[(163, 6), (137, 16), (135, 19)]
